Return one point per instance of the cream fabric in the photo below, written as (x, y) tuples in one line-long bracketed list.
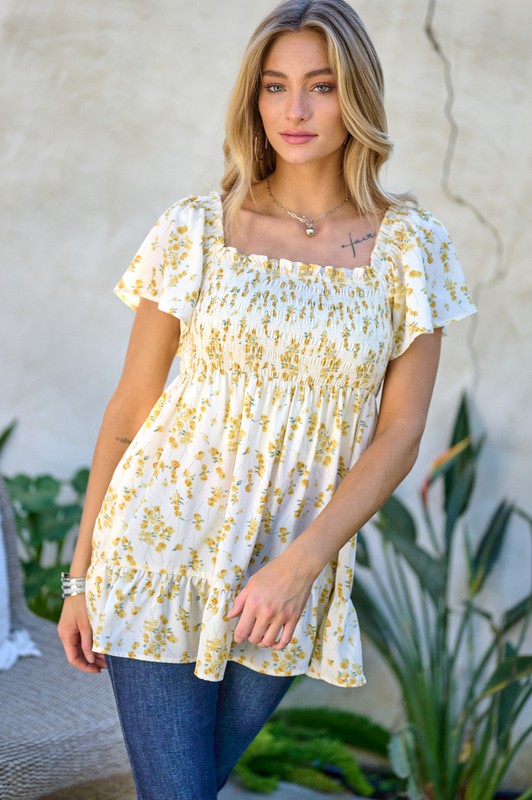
[(281, 364)]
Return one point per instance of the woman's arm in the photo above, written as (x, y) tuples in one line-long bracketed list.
[(275, 596), (152, 347)]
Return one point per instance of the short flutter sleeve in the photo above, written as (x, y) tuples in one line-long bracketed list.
[(428, 288), (168, 267)]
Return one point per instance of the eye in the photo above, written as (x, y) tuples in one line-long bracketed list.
[(324, 88), (273, 88)]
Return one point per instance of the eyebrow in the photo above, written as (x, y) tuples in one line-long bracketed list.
[(272, 73)]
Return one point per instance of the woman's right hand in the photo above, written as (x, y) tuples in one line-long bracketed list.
[(75, 633)]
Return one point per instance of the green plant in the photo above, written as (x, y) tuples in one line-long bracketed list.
[(45, 525), (311, 747), (460, 667), (5, 435)]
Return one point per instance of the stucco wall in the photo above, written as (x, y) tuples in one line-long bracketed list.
[(112, 111)]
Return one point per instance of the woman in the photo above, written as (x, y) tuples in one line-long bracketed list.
[(222, 514)]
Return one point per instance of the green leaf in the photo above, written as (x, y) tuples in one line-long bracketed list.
[(490, 546), (18, 485), (394, 516), (34, 494), (80, 480), (457, 498), (460, 478), (6, 434), (517, 613), (21, 522), (398, 755), (398, 527), (45, 606), (371, 618), (282, 755), (481, 612), (43, 590), (47, 485), (363, 559), (413, 790), (402, 753), (254, 782), (461, 428), (404, 762), (508, 671), (445, 462), (507, 700), (32, 579), (428, 569), (526, 795), (55, 524), (355, 730), (461, 431), (313, 779), (523, 514)]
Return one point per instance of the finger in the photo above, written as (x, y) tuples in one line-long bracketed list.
[(273, 633), (72, 644), (76, 657), (86, 643), (286, 636), (238, 605), (245, 626), (81, 663), (261, 629), (99, 659)]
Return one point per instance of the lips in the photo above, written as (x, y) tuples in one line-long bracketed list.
[(297, 137)]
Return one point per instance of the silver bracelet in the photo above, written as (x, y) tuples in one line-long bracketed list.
[(71, 586)]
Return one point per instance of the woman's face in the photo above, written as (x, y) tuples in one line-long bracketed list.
[(298, 100)]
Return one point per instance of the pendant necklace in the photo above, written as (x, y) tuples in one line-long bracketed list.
[(310, 229)]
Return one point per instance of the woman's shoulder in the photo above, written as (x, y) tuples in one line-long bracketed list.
[(193, 217), (192, 207), (412, 219)]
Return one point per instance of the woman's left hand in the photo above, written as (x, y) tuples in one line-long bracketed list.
[(272, 601)]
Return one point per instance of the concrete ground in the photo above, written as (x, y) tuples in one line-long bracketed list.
[(121, 788), (286, 791)]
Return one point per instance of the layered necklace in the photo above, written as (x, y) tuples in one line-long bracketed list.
[(310, 228)]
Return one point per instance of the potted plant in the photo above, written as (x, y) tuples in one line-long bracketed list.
[(461, 669)]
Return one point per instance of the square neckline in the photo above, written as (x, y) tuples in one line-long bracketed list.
[(263, 260)]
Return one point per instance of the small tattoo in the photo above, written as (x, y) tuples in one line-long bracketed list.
[(353, 242), (123, 440)]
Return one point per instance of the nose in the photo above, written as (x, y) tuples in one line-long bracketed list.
[(298, 107)]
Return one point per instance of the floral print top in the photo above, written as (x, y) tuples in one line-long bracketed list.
[(276, 398)]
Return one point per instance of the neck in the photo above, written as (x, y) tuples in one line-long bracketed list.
[(307, 189)]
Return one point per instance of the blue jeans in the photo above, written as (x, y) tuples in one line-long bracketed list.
[(184, 734)]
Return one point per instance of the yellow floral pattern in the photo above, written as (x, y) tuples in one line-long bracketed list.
[(280, 366)]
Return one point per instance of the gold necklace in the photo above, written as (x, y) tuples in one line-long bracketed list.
[(310, 230)]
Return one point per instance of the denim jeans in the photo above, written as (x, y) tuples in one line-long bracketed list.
[(184, 734)]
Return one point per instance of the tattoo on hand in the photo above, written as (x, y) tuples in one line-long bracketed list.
[(353, 242), (123, 440)]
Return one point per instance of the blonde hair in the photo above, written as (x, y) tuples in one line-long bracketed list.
[(358, 74)]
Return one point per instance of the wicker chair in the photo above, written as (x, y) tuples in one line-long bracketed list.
[(58, 726)]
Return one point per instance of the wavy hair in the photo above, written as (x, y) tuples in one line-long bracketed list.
[(358, 75)]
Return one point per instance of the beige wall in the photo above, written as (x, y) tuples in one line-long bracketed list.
[(112, 111)]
